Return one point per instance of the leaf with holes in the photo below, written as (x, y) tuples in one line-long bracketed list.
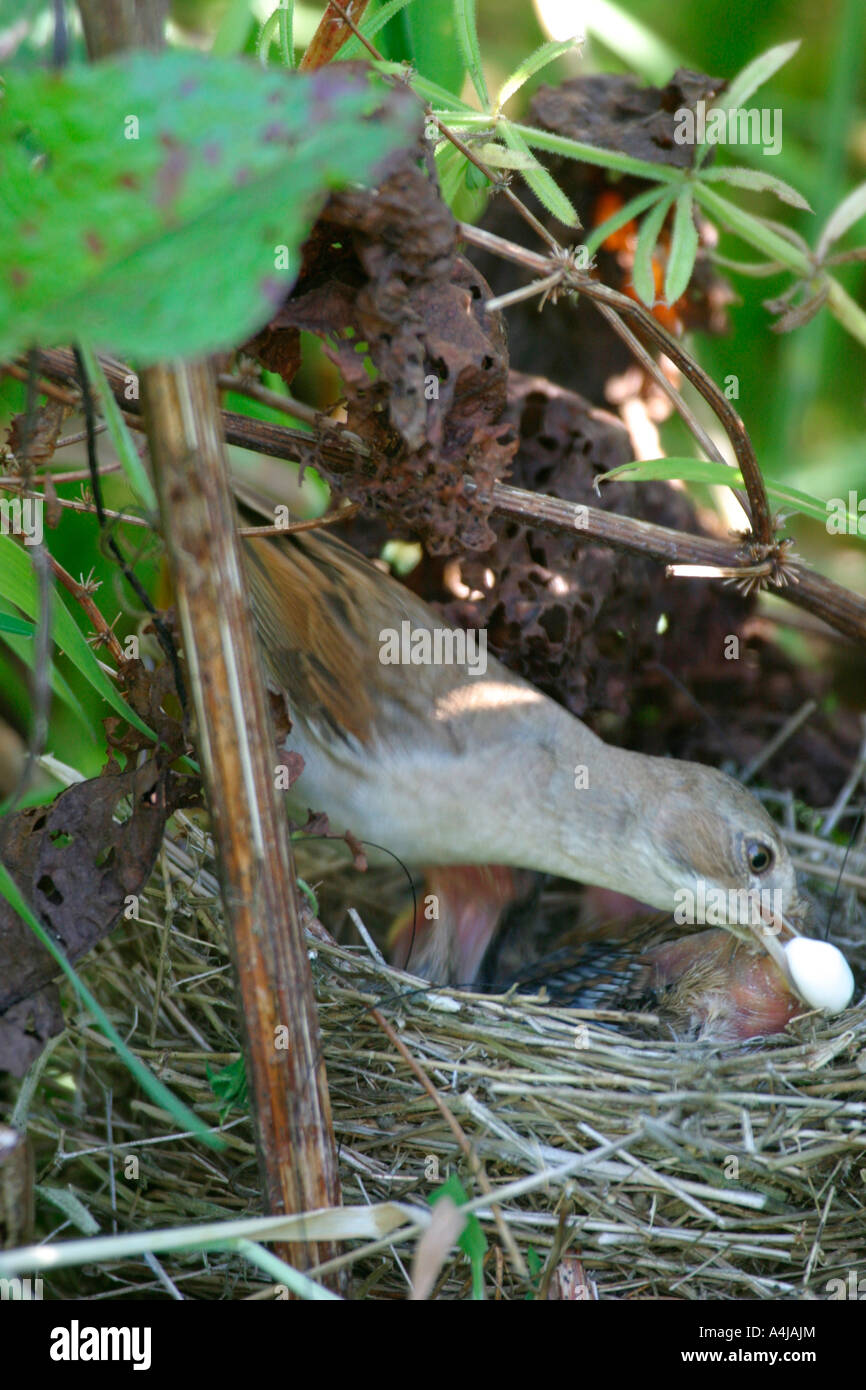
[(157, 203)]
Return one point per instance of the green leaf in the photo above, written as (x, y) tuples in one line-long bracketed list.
[(596, 154), (451, 166), (689, 470), (686, 470), (167, 171), (684, 248), (753, 230), (547, 53), (282, 23), (9, 623), (756, 73), (498, 157), (65, 1200), (431, 91), (650, 227), (472, 1240), (308, 893), (467, 37), (535, 1265), (229, 1085), (747, 82), (17, 583), (431, 40), (22, 646), (758, 181), (545, 188), (353, 48), (287, 32), (231, 36), (627, 213), (121, 437), (849, 211), (266, 36), (158, 1093)]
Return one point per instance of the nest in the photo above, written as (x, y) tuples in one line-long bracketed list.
[(665, 1168)]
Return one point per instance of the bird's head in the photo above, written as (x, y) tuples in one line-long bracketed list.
[(719, 859), (709, 853)]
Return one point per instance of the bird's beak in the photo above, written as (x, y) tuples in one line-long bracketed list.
[(771, 934)]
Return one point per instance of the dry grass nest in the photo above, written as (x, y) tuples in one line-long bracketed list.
[(667, 1168)]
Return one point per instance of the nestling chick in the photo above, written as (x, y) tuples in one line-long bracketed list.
[(706, 984)]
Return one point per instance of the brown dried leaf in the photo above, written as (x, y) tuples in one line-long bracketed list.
[(614, 112), (33, 439), (576, 618), (77, 866), (424, 366), (802, 313), (433, 1248)]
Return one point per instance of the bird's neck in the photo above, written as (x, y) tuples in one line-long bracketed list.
[(587, 808)]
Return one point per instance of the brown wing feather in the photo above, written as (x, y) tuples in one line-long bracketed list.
[(321, 610), (311, 651)]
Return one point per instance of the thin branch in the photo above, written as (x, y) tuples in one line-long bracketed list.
[(164, 636), (45, 388), (315, 523), (78, 438), (256, 392), (73, 504), (339, 451), (288, 1088), (649, 327), (81, 593)]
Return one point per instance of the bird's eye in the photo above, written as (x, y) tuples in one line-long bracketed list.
[(760, 856)]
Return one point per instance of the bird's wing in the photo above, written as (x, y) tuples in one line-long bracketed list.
[(322, 610)]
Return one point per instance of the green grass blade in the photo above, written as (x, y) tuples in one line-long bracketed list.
[(22, 646), (19, 586), (17, 626), (136, 473), (759, 182), (639, 47)]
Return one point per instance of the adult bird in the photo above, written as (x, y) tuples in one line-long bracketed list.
[(444, 764)]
